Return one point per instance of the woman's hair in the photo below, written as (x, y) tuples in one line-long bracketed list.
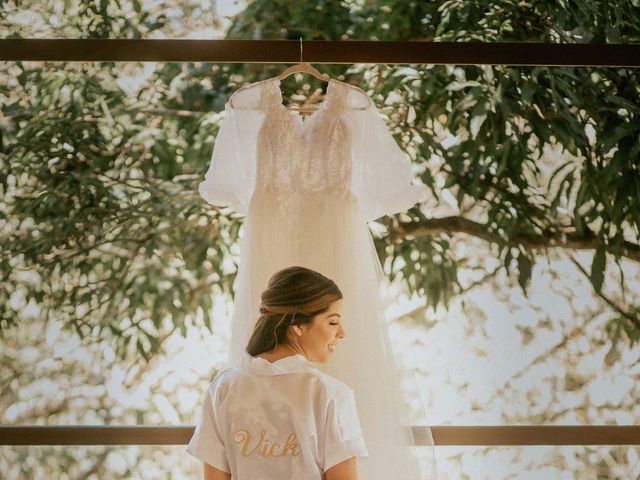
[(293, 297)]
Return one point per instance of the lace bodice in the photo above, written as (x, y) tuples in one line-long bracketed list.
[(343, 147), (308, 155)]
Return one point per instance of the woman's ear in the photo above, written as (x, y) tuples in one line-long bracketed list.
[(297, 329)]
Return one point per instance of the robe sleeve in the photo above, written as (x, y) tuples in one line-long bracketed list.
[(343, 437), (230, 179), (207, 443), (382, 173)]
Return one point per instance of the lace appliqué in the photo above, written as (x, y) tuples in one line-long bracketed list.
[(300, 158)]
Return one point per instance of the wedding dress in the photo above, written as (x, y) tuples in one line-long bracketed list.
[(308, 189)]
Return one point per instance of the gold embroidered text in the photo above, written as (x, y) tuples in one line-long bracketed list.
[(265, 448)]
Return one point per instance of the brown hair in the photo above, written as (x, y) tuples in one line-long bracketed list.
[(293, 297)]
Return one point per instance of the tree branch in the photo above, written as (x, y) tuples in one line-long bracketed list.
[(97, 465), (455, 224), (634, 320)]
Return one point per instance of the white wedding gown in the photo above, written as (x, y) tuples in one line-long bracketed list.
[(308, 189)]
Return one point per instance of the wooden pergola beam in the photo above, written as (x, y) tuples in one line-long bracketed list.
[(442, 436), (321, 51)]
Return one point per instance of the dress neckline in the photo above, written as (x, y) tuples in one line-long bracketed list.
[(331, 88)]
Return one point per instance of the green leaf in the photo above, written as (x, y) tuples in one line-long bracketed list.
[(598, 267), (525, 266), (141, 350)]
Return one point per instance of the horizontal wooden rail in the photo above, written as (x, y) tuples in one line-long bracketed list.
[(442, 436), (322, 51)]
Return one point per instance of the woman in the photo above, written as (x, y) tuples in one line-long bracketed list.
[(274, 416)]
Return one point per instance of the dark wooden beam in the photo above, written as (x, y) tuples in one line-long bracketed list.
[(321, 51), (442, 436)]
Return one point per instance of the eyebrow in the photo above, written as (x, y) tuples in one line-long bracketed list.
[(335, 315)]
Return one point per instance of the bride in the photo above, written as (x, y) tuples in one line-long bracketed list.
[(275, 416)]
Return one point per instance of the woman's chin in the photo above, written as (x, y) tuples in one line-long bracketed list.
[(322, 358)]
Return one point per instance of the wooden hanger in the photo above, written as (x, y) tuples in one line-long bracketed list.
[(303, 67)]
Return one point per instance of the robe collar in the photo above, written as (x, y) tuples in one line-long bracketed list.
[(260, 366)]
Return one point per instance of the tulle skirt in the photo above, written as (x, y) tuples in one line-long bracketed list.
[(325, 232)]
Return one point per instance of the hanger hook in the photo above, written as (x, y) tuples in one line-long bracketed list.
[(300, 49)]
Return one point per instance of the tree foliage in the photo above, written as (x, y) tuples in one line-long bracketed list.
[(102, 225)]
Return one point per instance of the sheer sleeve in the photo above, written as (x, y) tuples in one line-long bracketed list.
[(343, 437), (230, 179), (207, 443), (382, 173)]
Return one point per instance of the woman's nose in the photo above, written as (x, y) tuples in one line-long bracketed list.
[(341, 335)]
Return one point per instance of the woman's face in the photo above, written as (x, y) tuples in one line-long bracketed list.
[(319, 338)]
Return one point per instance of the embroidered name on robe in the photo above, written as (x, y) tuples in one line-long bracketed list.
[(263, 447)]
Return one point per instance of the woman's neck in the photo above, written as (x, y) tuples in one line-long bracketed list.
[(281, 351)]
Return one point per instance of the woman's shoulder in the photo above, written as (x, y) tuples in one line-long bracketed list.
[(331, 385), (223, 377)]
